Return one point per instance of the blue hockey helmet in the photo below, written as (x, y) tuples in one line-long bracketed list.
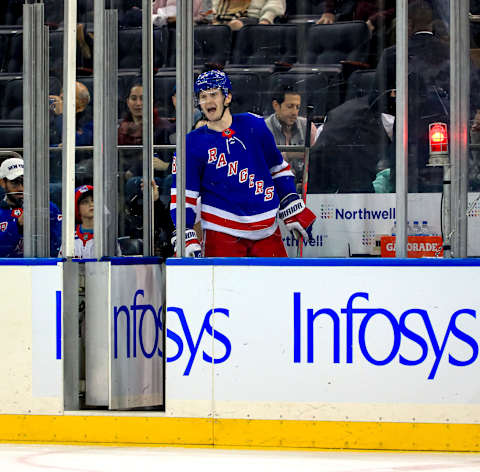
[(213, 79)]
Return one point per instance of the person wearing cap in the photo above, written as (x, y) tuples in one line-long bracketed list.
[(11, 212), (84, 243)]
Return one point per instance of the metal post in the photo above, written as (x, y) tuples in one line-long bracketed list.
[(184, 84), (401, 123), (110, 168), (28, 126), (147, 120), (68, 131), (98, 126), (35, 109), (459, 116)]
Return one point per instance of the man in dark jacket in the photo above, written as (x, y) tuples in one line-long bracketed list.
[(428, 92)]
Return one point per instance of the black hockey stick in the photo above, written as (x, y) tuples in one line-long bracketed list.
[(306, 162)]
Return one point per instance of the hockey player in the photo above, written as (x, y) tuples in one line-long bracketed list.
[(244, 184), (11, 212)]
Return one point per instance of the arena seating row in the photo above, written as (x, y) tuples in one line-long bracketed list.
[(252, 45), (11, 12), (252, 92)]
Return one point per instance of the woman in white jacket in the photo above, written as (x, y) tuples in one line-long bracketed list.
[(238, 13)]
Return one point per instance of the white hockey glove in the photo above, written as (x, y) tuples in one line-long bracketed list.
[(297, 217), (192, 245)]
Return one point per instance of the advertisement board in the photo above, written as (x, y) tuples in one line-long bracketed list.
[(124, 336), (31, 340), (350, 224), (340, 342)]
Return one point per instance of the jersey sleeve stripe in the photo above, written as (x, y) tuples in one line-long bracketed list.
[(283, 173), (281, 167), (189, 200), (188, 193)]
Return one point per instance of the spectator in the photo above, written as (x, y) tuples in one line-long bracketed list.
[(356, 136), (84, 244), (167, 126), (83, 117), (429, 78), (240, 13), (130, 132), (11, 212), (287, 127), (285, 124), (163, 225), (379, 17), (370, 11)]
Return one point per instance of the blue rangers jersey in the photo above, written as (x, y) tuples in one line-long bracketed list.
[(11, 233), (240, 176)]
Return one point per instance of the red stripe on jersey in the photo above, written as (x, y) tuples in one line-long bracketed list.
[(282, 170), (254, 226), (191, 200)]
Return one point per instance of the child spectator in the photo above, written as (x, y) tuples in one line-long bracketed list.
[(84, 244)]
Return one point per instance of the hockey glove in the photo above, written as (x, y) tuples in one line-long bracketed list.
[(192, 246), (297, 217)]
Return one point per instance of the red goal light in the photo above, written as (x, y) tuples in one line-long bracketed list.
[(438, 138)]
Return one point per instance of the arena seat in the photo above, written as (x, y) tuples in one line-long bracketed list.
[(11, 14), (212, 44), (315, 8), (15, 56), (247, 91), (265, 44), (11, 133), (56, 53), (130, 47), (360, 83), (13, 103), (343, 41), (4, 44)]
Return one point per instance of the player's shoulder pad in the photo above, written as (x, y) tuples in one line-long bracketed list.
[(254, 114)]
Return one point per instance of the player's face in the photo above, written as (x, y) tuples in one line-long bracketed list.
[(85, 207), (287, 112), (212, 103)]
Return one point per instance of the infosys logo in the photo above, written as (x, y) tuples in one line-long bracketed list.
[(364, 214), (434, 345)]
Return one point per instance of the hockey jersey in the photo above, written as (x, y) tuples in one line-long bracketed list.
[(240, 176), (84, 244), (11, 233)]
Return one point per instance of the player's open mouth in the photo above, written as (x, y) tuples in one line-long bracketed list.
[(211, 109)]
